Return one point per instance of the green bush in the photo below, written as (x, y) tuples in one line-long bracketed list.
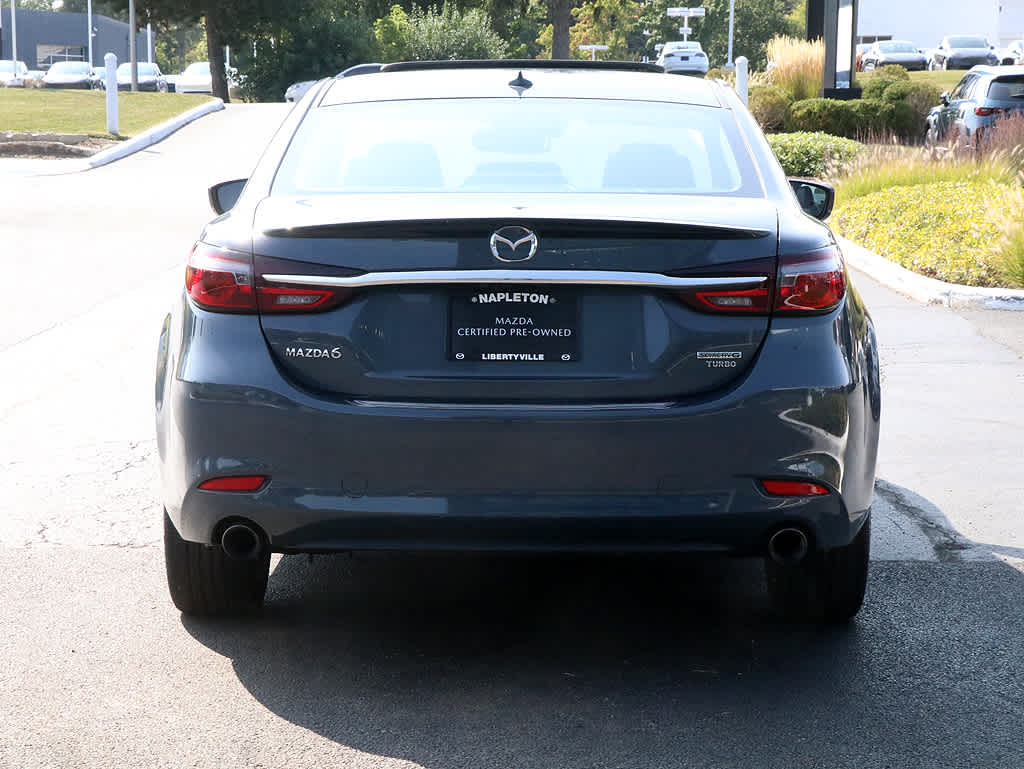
[(943, 230), (880, 79), (831, 116), (872, 117), (812, 154), (769, 104), (856, 118), (921, 97)]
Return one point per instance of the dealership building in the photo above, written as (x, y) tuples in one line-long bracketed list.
[(45, 37), (926, 23)]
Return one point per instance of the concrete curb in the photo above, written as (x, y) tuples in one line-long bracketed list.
[(929, 290), (153, 135)]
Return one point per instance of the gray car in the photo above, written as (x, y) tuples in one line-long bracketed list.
[(536, 322), (962, 52), (973, 107), (886, 52)]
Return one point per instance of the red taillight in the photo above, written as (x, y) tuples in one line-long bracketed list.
[(986, 111), (234, 483), (220, 279), (813, 282), (793, 488)]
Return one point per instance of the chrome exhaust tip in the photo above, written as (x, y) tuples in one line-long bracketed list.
[(788, 546), (241, 542)]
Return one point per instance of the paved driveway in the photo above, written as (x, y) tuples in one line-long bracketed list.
[(441, 662)]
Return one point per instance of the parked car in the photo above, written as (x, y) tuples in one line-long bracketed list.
[(972, 108), (683, 57), (68, 74), (522, 326), (195, 78), (1012, 53), (297, 90), (148, 76), (99, 75), (962, 52), (14, 74), (859, 52), (900, 52)]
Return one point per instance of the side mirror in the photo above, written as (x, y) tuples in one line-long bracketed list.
[(223, 196), (816, 199), (944, 98)]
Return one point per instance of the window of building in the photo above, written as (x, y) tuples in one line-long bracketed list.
[(49, 54)]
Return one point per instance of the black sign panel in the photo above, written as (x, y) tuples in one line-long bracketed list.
[(514, 325)]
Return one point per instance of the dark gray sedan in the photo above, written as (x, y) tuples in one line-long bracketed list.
[(962, 52), (496, 306), (900, 52)]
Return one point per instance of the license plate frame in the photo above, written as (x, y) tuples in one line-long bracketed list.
[(514, 324)]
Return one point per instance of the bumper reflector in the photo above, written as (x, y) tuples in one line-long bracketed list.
[(793, 488), (234, 483)]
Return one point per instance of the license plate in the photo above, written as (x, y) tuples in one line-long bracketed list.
[(684, 58), (514, 325)]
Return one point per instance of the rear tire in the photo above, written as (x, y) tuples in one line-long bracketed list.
[(204, 581), (828, 587)]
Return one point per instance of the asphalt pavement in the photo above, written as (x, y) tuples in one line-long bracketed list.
[(449, 662)]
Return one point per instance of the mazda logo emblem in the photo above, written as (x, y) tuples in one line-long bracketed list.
[(509, 244)]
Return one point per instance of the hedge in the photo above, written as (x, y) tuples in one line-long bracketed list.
[(770, 106), (812, 154), (856, 118), (942, 230)]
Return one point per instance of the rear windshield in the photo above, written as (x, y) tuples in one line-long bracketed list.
[(968, 42), (1007, 88), (517, 145), (896, 48)]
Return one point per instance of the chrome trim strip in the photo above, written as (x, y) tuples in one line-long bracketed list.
[(550, 277)]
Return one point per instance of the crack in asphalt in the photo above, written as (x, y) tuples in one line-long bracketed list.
[(947, 543)]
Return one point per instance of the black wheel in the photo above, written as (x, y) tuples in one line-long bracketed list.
[(826, 587), (203, 580)]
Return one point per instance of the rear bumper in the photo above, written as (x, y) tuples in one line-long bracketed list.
[(635, 477)]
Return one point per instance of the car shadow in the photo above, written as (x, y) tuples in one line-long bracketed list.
[(477, 661)]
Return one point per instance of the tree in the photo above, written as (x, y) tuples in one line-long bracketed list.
[(35, 5), (227, 22), (756, 22), (99, 8), (604, 22), (321, 43), (560, 12), (436, 34)]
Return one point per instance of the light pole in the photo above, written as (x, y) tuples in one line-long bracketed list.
[(132, 53), (14, 37), (88, 21), (732, 17)]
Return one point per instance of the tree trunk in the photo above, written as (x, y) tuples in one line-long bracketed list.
[(215, 52), (561, 19)]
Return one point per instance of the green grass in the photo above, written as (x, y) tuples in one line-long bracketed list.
[(944, 81), (948, 230), (85, 112)]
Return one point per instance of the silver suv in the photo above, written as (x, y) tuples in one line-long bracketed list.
[(981, 97)]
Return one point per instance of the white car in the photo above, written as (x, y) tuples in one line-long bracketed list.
[(12, 76), (683, 57), (195, 78)]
